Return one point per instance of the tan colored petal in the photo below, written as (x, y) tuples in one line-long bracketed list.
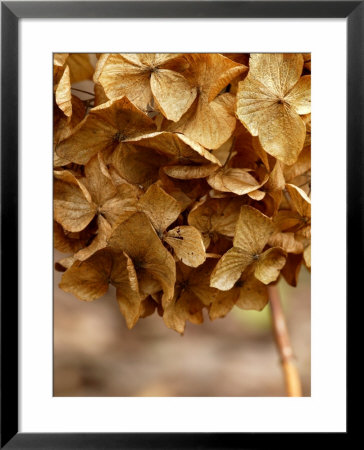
[(253, 230), (147, 307), (67, 242), (187, 244), (307, 256), (172, 92), (80, 67), (300, 200), (302, 165), (269, 265), (161, 209), (238, 181), (98, 181), (64, 264), (254, 104), (286, 220), (186, 307), (252, 294), (124, 278), (211, 72), (173, 188), (100, 96), (256, 195), (72, 209), (287, 242), (59, 59), (148, 285), (223, 303), (63, 93), (300, 96), (259, 150), (279, 72), (208, 123), (176, 146), (276, 181), (88, 280), (216, 216), (190, 172), (137, 238), (292, 268), (283, 133), (99, 242), (121, 76), (229, 268), (136, 164), (199, 282)]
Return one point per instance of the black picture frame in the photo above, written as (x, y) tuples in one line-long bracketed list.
[(11, 12)]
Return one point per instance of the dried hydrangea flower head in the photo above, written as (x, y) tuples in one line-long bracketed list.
[(187, 185)]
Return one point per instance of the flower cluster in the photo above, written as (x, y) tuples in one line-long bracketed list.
[(186, 185)]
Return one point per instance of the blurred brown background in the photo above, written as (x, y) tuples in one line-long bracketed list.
[(96, 355)]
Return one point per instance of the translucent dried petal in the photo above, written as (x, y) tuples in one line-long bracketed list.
[(283, 133), (73, 208), (187, 244), (287, 242), (147, 307), (99, 242), (208, 123), (300, 96), (279, 72), (124, 278), (190, 172), (63, 93), (229, 268), (307, 256), (67, 242), (253, 230), (211, 72), (138, 165), (269, 265), (161, 209), (238, 181), (80, 67), (276, 181), (187, 307), (121, 75), (292, 268), (176, 146), (302, 165), (223, 303), (253, 294), (216, 216), (300, 200), (88, 280), (172, 92)]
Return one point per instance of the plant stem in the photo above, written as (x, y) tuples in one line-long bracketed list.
[(85, 92), (291, 375)]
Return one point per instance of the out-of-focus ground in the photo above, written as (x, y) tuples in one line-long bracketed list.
[(96, 355)]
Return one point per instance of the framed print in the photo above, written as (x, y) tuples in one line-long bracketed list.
[(181, 136)]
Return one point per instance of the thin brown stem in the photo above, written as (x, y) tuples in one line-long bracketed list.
[(84, 92), (291, 375)]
